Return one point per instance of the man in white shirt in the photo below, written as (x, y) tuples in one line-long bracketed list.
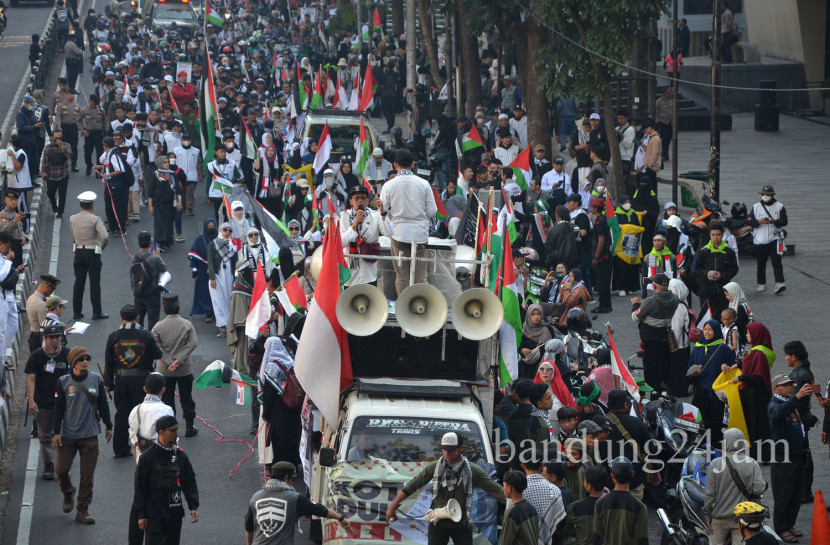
[(359, 226), (506, 151), (409, 203), (189, 159), (519, 124), (556, 178)]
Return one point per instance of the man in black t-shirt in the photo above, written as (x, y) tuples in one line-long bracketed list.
[(43, 369), (582, 229), (601, 255)]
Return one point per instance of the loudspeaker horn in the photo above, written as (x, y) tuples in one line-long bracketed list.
[(421, 310), (477, 314), (450, 511), (317, 262), (362, 310)]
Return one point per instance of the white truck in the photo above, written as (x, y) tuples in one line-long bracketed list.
[(389, 428)]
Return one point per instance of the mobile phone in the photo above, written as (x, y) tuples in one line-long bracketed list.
[(27, 215), (153, 247)]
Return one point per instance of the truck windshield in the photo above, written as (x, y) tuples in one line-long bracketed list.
[(342, 137), (409, 439)]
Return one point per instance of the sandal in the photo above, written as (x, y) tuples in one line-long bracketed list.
[(795, 532), (787, 537)]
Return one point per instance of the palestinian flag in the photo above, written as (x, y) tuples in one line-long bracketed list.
[(441, 212), (211, 16), (376, 22), (219, 374), (317, 97), (223, 185), (521, 168), (541, 218), (249, 147), (473, 140), (362, 150), (367, 96), (510, 331), (274, 64), (612, 221), (299, 89), (207, 115)]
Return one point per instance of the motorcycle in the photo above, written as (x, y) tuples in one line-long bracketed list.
[(698, 227)]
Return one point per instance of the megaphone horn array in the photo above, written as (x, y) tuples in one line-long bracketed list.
[(362, 310), (421, 310), (477, 314)]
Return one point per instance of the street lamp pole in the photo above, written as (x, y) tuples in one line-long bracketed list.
[(714, 120)]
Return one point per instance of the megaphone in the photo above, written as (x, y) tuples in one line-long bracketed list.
[(421, 310), (362, 309), (477, 314), (317, 262), (450, 511)]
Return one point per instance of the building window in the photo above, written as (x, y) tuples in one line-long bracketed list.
[(704, 7)]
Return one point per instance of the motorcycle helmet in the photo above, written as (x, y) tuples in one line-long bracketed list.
[(750, 514), (396, 132), (577, 320), (182, 58), (710, 204), (105, 47), (172, 36), (739, 210)]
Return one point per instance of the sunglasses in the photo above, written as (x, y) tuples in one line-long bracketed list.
[(84, 358), (293, 229), (225, 230)]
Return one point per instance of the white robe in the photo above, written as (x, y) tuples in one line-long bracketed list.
[(220, 296)]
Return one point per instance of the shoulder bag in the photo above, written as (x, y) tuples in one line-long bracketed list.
[(292, 393), (738, 483), (673, 346)]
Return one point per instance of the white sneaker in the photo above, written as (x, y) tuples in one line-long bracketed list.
[(761, 287), (622, 293), (779, 287)]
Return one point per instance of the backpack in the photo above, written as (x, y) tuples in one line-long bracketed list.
[(140, 279), (128, 176)]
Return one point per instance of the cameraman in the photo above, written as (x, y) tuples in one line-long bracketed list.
[(360, 229)]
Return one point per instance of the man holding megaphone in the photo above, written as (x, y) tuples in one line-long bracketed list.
[(453, 478)]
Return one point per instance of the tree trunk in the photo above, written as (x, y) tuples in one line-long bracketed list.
[(528, 40), (430, 40), (397, 18), (470, 60)]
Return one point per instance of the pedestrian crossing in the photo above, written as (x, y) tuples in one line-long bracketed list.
[(14, 41)]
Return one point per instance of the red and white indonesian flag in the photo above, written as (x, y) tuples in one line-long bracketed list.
[(323, 363), (619, 369), (323, 150), (260, 310)]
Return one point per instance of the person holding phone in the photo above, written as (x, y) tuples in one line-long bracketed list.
[(54, 164), (796, 358), (12, 220)]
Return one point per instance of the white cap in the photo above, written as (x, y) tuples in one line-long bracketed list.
[(328, 172), (377, 151), (502, 116), (87, 196), (450, 440), (168, 78), (235, 205), (594, 116)]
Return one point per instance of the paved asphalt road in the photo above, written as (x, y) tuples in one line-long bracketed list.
[(224, 499)]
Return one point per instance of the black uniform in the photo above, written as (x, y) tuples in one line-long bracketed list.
[(130, 355), (162, 477), (150, 305)]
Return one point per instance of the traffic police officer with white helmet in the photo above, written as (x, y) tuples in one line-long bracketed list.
[(90, 239)]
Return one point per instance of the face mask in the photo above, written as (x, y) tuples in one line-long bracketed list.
[(211, 231), (32, 108), (186, 143), (229, 146), (626, 207), (766, 198), (172, 162), (601, 190)]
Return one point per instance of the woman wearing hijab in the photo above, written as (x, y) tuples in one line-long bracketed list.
[(284, 430), (164, 198), (551, 375), (345, 177), (738, 302), (270, 193), (239, 225), (299, 244), (243, 288), (676, 378), (756, 387), (199, 266), (254, 252), (574, 295), (535, 332), (711, 354), (585, 193), (626, 276), (221, 263)]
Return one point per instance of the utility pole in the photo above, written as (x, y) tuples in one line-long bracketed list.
[(411, 74), (359, 28), (714, 120), (675, 84)]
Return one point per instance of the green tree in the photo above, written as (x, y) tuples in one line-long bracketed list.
[(605, 32)]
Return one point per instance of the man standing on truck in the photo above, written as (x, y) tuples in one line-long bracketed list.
[(453, 477)]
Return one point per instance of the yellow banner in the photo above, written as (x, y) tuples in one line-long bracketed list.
[(734, 408), (629, 247)]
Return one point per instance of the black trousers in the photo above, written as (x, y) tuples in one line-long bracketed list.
[(116, 197), (135, 536), (809, 468), (163, 532), (438, 535), (35, 341), (769, 251), (389, 111), (87, 262), (70, 136), (129, 392), (665, 132), (185, 395), (786, 492), (93, 140), (655, 362), (150, 307), (56, 191), (602, 282)]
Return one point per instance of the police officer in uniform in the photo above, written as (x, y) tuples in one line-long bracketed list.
[(273, 512), (92, 121), (90, 240), (36, 309), (129, 357), (12, 221), (66, 117), (164, 478)]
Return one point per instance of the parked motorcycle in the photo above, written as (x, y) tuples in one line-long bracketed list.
[(698, 227)]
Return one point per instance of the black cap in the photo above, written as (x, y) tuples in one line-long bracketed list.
[(559, 160), (518, 253), (283, 469), (63, 80), (129, 313), (621, 466), (660, 279), (11, 193), (358, 189), (52, 330), (575, 197), (170, 297), (617, 399), (603, 422), (166, 423), (154, 382), (49, 279)]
